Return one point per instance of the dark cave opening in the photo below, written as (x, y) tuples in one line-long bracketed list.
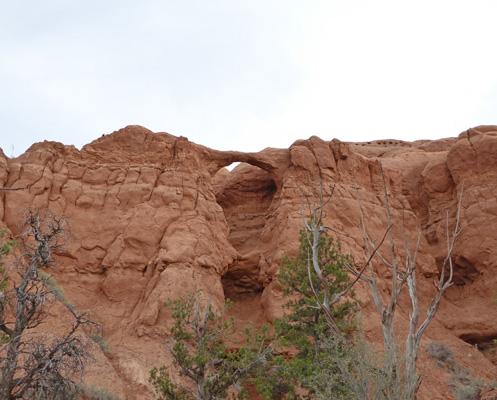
[(485, 343), (246, 195)]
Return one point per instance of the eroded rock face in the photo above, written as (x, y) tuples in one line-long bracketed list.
[(157, 217), (245, 196)]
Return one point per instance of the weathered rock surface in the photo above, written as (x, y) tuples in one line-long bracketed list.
[(157, 216)]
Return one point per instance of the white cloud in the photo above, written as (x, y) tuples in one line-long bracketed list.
[(246, 75), (390, 70)]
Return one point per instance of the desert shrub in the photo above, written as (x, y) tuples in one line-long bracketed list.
[(98, 339), (464, 385), (93, 392), (355, 371), (197, 344), (467, 393), (51, 284), (462, 382), (5, 248), (441, 353)]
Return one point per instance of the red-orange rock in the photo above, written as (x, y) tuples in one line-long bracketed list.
[(157, 217)]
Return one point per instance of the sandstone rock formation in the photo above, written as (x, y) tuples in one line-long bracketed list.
[(157, 216)]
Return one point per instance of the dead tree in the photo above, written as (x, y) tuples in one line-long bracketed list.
[(403, 272), (35, 364), (403, 275)]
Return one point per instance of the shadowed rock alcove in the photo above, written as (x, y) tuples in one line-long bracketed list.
[(245, 195)]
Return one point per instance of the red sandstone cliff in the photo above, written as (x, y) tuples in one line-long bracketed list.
[(157, 216)]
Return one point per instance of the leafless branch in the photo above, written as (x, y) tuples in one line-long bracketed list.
[(398, 280), (36, 364)]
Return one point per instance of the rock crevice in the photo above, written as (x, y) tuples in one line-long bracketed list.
[(157, 217)]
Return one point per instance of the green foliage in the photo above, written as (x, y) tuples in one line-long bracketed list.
[(5, 248), (200, 356), (304, 314), (303, 327), (51, 284), (164, 387), (98, 339), (93, 392), (357, 373), (4, 339)]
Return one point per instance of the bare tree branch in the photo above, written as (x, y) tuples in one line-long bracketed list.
[(398, 280), (37, 364)]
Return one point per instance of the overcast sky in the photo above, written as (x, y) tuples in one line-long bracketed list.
[(245, 74)]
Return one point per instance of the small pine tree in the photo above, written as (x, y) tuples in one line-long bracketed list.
[(294, 279), (303, 327), (207, 367)]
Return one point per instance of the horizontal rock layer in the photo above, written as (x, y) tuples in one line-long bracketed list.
[(157, 217)]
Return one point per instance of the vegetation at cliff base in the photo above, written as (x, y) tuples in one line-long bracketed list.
[(303, 328), (37, 364), (203, 367)]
